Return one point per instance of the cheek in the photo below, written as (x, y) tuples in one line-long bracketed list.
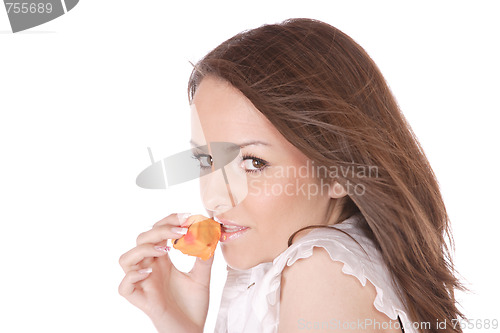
[(274, 199), (271, 191), (291, 199)]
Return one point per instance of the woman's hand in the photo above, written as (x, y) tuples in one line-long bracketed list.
[(175, 301)]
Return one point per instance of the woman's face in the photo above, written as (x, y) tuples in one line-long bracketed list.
[(264, 190)]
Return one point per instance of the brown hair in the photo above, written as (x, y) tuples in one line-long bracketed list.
[(327, 97)]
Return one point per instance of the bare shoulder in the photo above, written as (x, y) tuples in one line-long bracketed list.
[(316, 294)]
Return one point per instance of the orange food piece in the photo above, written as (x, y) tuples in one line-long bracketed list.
[(201, 238)]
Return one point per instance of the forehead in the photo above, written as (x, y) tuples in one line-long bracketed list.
[(224, 112)]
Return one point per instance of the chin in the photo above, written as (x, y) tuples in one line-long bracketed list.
[(237, 263)]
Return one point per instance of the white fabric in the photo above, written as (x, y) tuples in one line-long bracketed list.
[(255, 309)]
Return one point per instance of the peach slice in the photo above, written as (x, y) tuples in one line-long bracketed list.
[(201, 238)]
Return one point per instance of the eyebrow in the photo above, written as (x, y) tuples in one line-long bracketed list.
[(241, 145)]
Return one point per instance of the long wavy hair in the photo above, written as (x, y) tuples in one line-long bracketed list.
[(327, 97)]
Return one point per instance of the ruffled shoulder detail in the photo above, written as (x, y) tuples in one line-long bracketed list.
[(364, 263)]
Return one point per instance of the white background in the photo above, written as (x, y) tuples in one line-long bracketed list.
[(83, 96)]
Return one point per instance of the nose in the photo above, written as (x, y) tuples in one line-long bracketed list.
[(216, 193)]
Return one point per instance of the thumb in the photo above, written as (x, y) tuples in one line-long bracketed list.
[(201, 270)]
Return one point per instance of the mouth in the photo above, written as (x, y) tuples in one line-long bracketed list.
[(230, 230)]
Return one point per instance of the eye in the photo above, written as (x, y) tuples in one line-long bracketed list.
[(253, 164), (204, 159)]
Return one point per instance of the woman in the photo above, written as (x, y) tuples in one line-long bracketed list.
[(356, 243)]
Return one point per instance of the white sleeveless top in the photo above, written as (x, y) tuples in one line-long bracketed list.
[(251, 298)]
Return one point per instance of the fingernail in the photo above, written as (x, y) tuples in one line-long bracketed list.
[(162, 248), (180, 231), (183, 217), (145, 270)]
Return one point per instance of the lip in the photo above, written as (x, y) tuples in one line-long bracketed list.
[(226, 222), (228, 236)]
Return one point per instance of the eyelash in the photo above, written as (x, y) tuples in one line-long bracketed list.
[(253, 157), (243, 158)]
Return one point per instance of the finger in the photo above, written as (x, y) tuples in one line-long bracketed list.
[(201, 270), (130, 259), (128, 285), (176, 219), (161, 233)]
